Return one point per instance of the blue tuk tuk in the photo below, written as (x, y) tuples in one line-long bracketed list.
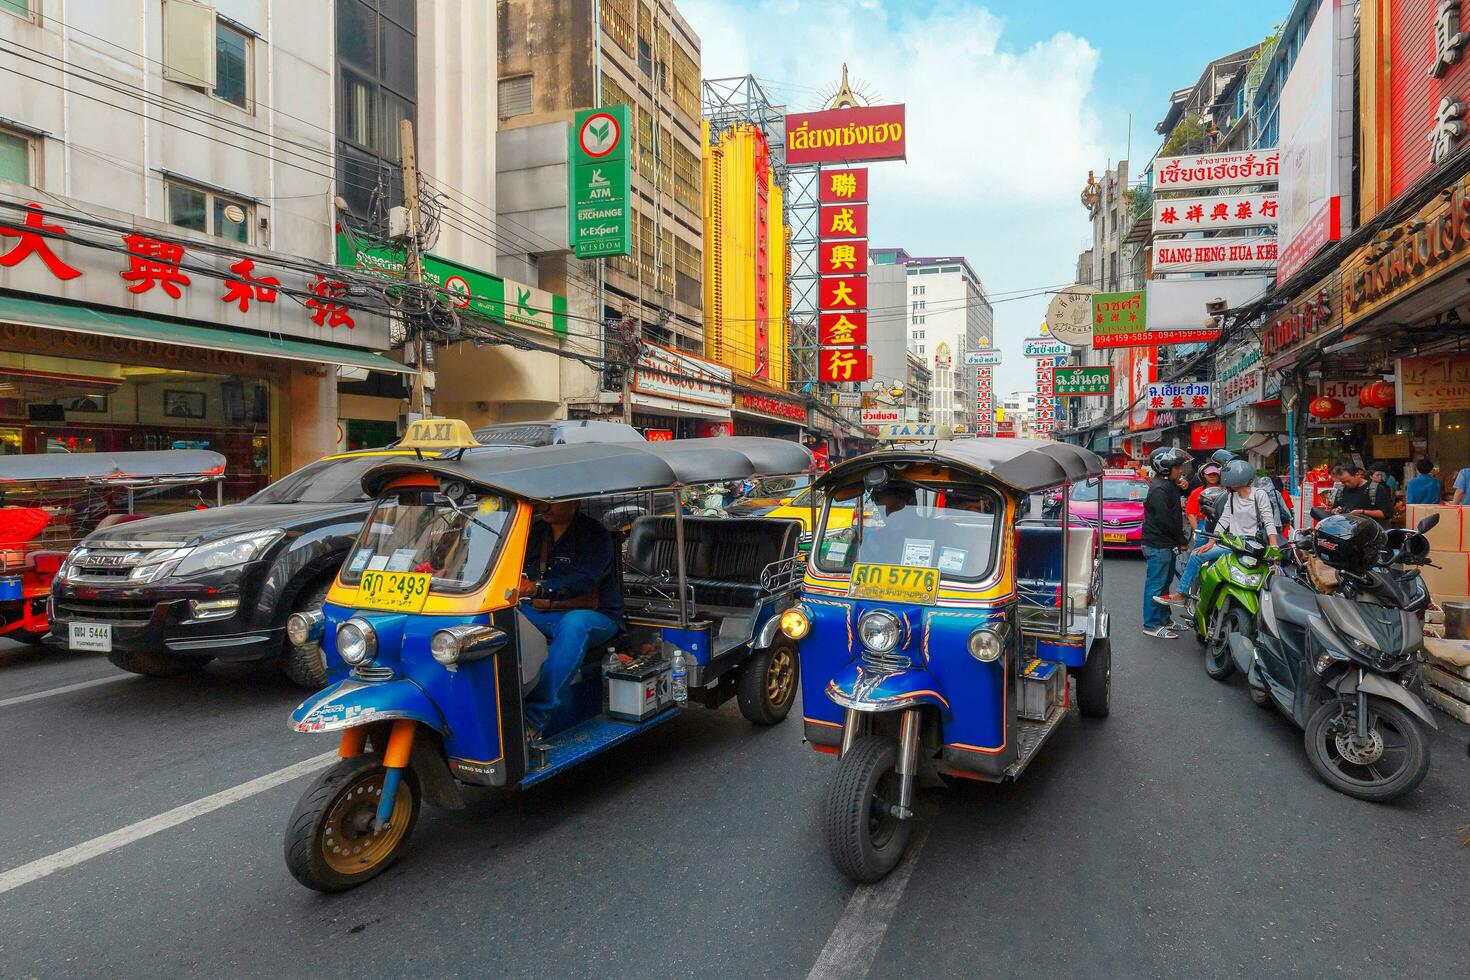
[(940, 629), (428, 641)]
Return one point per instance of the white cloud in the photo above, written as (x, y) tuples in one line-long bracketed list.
[(1000, 135)]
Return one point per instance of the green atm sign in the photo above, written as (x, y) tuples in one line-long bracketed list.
[(600, 176)]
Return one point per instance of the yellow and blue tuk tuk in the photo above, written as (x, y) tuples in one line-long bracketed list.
[(943, 633)]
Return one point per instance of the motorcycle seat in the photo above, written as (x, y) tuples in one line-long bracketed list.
[(1292, 601)]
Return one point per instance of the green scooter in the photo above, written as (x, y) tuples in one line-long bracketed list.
[(1230, 598)]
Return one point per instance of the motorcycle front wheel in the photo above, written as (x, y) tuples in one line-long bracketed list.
[(1219, 663), (1393, 761), (864, 836)]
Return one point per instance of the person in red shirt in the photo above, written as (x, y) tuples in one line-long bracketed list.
[(1210, 473)]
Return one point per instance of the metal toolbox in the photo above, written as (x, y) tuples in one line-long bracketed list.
[(1043, 686)]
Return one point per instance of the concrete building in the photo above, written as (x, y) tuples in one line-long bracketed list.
[(1020, 410), (941, 302), (554, 60), (180, 146)]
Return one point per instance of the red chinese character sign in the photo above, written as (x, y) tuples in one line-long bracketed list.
[(842, 329), (33, 235), (842, 221), (844, 293), (836, 258), (848, 186), (843, 364)]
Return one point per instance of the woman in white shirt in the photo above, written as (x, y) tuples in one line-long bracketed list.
[(1247, 513)]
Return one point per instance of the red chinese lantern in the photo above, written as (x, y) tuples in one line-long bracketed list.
[(1326, 408), (1379, 394)]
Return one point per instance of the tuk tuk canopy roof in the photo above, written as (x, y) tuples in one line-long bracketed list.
[(159, 466), (571, 472), (1024, 465)]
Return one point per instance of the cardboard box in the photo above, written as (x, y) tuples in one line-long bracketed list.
[(1451, 580), (1452, 533)]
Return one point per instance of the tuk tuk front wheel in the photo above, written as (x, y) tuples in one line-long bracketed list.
[(864, 836), (767, 683), (332, 843)]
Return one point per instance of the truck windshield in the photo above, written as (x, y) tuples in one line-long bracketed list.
[(915, 527), (421, 530), (327, 481)]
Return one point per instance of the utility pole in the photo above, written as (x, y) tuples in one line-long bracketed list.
[(419, 399)]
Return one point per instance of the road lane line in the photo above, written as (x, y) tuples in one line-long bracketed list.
[(63, 689), (97, 846), (859, 933)]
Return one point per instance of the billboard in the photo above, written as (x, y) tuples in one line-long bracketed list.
[(1317, 139), (861, 134), (1225, 254), (1217, 170), (600, 174), (1223, 212)]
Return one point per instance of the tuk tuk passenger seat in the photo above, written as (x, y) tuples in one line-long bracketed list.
[(1039, 565), (724, 556)]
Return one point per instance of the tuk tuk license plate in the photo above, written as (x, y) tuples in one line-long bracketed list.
[(1115, 537), (393, 591), (894, 583), (89, 636)]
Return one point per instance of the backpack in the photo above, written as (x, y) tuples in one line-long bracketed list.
[(1278, 502)]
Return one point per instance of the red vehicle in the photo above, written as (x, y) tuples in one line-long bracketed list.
[(50, 501), (1123, 493)]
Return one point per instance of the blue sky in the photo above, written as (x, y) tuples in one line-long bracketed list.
[(1009, 105)]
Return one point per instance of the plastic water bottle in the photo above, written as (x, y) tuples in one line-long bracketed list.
[(609, 665), (679, 678)]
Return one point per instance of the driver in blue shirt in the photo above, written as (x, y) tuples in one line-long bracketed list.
[(569, 591)]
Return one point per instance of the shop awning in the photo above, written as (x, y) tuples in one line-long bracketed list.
[(82, 319)]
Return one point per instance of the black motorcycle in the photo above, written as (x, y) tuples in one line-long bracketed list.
[(1340, 665)]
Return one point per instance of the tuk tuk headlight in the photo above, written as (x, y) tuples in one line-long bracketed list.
[(465, 643), (305, 627), (987, 644), (357, 642), (795, 623), (879, 631)]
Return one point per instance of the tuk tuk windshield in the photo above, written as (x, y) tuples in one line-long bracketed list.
[(920, 527), (421, 530)]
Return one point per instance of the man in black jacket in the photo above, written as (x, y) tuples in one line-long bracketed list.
[(1163, 535)]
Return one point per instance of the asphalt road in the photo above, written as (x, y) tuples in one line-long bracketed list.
[(1183, 836)]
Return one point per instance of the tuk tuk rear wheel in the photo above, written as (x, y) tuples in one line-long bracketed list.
[(1095, 680), (767, 683), (331, 844), (865, 839)]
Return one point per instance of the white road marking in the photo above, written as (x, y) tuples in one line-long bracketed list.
[(63, 689), (97, 846), (859, 933)]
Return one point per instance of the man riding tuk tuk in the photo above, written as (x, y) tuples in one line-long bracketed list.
[(51, 501), (436, 629), (938, 631)]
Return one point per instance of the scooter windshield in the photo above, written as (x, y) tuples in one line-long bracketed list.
[(421, 530)]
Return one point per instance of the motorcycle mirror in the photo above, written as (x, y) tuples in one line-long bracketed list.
[(1427, 523), (1319, 513)]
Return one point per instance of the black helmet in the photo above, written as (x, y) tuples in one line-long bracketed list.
[(1349, 541), (1237, 473), (1223, 458), (1211, 500), (1165, 458)]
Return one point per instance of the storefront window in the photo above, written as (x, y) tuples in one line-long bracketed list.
[(68, 405)]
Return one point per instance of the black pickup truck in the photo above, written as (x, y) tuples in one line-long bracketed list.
[(167, 595)]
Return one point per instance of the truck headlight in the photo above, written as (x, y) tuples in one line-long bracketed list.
[(305, 627), (795, 623), (357, 641), (234, 550), (987, 644), (465, 643), (879, 631)]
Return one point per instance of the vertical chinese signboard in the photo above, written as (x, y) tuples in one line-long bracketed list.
[(600, 176), (762, 359), (1046, 401), (842, 264), (984, 401)]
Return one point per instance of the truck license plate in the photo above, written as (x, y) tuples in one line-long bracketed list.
[(90, 636)]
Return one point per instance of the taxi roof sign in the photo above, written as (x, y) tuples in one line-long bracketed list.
[(913, 432), (437, 434)]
